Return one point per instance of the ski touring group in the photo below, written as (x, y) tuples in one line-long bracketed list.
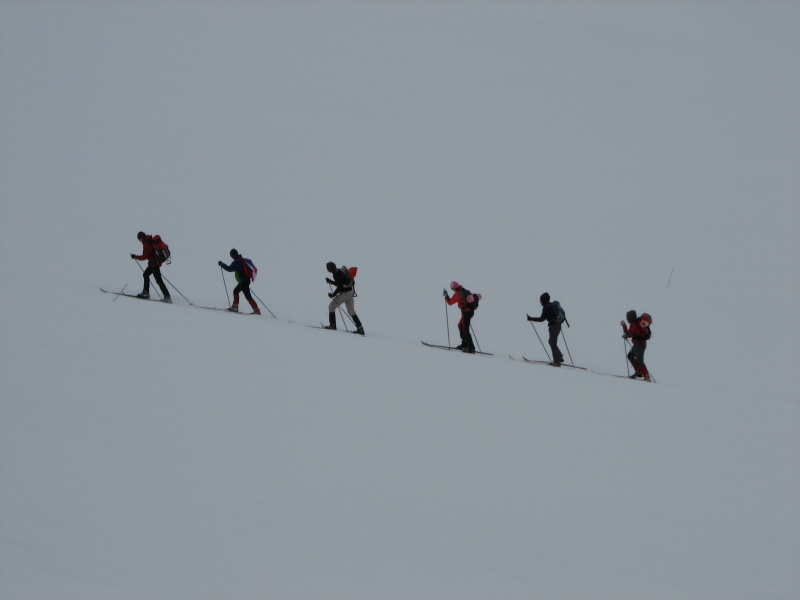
[(635, 328), (157, 254)]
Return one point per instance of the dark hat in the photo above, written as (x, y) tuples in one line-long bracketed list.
[(331, 267), (141, 235), (544, 298), (234, 253), (630, 316)]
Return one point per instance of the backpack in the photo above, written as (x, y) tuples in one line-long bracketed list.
[(161, 250), (250, 270), (649, 319), (561, 316), (468, 299), (350, 274)]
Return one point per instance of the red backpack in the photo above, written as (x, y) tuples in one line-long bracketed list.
[(161, 250), (351, 275)]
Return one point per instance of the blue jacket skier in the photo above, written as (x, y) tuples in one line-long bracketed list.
[(243, 276)]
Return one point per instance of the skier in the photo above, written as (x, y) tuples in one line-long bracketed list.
[(240, 269), (639, 332), (153, 267), (460, 296), (550, 314), (342, 294)]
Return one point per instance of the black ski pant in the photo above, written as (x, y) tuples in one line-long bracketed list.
[(463, 329), (636, 356), (555, 331), (244, 288), (155, 271)]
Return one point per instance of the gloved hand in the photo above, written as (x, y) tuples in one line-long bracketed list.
[(331, 281), (530, 318), (330, 295), (622, 323), (444, 293), (220, 263), (133, 255)]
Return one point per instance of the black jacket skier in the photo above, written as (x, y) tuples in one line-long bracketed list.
[(550, 314), (342, 294)]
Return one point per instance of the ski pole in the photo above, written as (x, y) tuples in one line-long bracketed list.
[(541, 342), (572, 362), (225, 284), (628, 349), (341, 312), (447, 319), (477, 343), (262, 302), (625, 350), (177, 290), (120, 293)]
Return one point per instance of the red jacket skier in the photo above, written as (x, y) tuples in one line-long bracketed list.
[(459, 297), (638, 333), (153, 266)]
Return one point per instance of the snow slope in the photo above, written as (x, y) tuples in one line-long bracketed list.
[(618, 155)]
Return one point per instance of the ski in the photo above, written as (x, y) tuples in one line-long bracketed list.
[(624, 377), (236, 312), (321, 326), (135, 296), (544, 362), (459, 349), (227, 310)]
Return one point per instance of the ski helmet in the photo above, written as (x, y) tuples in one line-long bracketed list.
[(454, 285)]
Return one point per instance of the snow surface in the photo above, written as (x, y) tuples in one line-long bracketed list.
[(619, 155)]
